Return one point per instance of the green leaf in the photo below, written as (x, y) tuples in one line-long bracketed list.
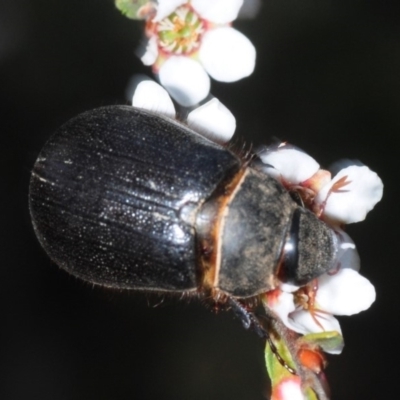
[(327, 341), (310, 395), (278, 373), (276, 370), (135, 9)]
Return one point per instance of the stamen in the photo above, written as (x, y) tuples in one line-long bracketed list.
[(180, 32), (305, 297)]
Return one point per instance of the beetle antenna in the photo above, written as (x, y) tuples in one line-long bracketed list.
[(249, 319)]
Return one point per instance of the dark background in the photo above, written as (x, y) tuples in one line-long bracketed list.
[(327, 79)]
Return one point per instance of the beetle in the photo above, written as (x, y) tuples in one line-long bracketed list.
[(125, 198)]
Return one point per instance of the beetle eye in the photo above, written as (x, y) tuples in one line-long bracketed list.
[(290, 259)]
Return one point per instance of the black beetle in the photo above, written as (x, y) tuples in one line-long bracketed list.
[(125, 198)]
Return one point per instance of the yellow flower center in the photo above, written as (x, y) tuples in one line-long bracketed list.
[(181, 31)]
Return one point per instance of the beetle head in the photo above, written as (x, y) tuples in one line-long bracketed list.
[(310, 249)]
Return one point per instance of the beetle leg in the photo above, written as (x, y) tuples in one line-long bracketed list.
[(249, 319), (242, 313)]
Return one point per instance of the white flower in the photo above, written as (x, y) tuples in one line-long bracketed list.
[(350, 195), (343, 199), (288, 164), (189, 40), (212, 120), (151, 96), (347, 256), (311, 309), (289, 389), (250, 9)]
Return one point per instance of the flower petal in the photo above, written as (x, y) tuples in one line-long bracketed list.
[(351, 194), (347, 256), (288, 389), (213, 120), (227, 55), (345, 293), (151, 96), (185, 80), (290, 164), (250, 9), (150, 54), (306, 322), (167, 7), (288, 287), (282, 304), (217, 11)]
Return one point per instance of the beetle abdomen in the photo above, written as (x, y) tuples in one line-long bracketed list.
[(114, 196)]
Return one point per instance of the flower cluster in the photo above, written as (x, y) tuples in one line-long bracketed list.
[(188, 41), (343, 199)]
